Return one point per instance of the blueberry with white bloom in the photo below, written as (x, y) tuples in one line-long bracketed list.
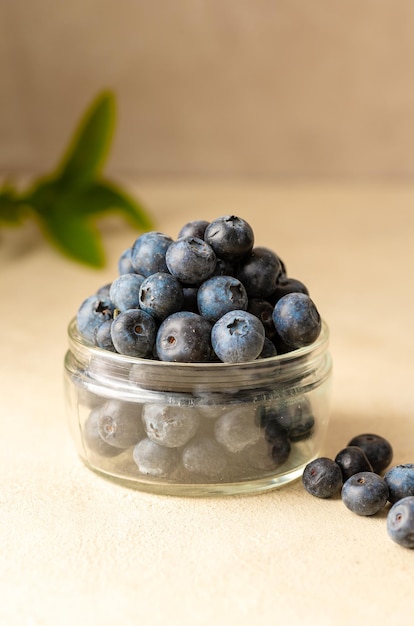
[(230, 236), (170, 425), (297, 320), (91, 313), (400, 522), (133, 333), (237, 428), (191, 260), (400, 481), (93, 440), (184, 337), (148, 253), (238, 337), (124, 291), (259, 272), (219, 295), (103, 336), (205, 457), (154, 460), (160, 295), (125, 263), (119, 423)]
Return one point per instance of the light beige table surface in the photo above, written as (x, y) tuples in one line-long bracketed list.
[(76, 549)]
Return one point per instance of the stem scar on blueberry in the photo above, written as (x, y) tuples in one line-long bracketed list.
[(361, 481), (171, 339), (138, 329)]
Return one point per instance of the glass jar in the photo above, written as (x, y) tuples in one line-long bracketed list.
[(197, 429)]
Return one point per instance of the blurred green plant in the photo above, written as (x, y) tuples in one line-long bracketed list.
[(67, 202)]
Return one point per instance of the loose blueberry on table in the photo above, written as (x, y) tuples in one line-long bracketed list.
[(208, 296)]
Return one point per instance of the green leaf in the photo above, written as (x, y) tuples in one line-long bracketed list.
[(76, 237), (103, 196), (10, 205), (87, 152)]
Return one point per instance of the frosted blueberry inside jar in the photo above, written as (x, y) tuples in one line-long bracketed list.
[(197, 428)]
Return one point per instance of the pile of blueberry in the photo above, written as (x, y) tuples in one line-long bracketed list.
[(209, 295), (355, 473)]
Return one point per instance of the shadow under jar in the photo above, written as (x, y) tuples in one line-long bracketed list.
[(197, 429)]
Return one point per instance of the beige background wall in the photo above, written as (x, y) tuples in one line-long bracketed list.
[(229, 87)]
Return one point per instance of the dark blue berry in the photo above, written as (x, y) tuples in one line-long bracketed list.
[(195, 228), (400, 481), (268, 350), (297, 320), (184, 337), (148, 253), (352, 460), (322, 478), (377, 449), (295, 418), (133, 333), (237, 337), (259, 272), (263, 309), (400, 522), (103, 336), (124, 291), (160, 295), (219, 295), (365, 493), (230, 237), (287, 285), (91, 313), (125, 263), (191, 260)]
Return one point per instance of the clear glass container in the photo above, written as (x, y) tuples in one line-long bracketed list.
[(197, 429)]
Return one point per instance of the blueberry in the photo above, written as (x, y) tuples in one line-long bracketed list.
[(125, 263), (400, 522), (219, 295), (400, 481), (103, 336), (124, 291), (224, 267), (287, 285), (119, 423), (297, 320), (322, 477), (160, 295), (259, 272), (268, 350), (191, 260), (170, 425), (195, 228), (352, 460), (237, 337), (148, 253), (365, 493), (92, 439), (263, 309), (237, 429), (295, 418), (230, 237), (133, 333), (280, 449), (190, 298), (184, 337), (205, 457), (377, 449), (154, 460), (91, 313), (259, 456)]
